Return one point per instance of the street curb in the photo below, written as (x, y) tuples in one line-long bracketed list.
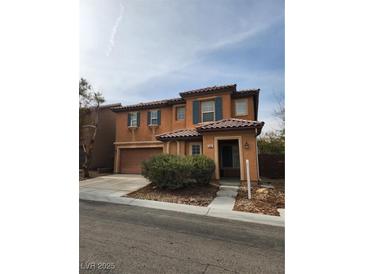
[(198, 210)]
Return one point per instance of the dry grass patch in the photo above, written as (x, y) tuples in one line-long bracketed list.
[(197, 195)]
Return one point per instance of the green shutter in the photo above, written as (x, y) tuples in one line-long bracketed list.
[(196, 114), (159, 117), (218, 109), (138, 118), (129, 119), (148, 117)]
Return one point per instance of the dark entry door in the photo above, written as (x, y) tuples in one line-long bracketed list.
[(229, 159)]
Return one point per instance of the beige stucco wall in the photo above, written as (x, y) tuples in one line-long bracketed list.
[(173, 148)]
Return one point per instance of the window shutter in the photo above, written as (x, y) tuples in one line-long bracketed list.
[(138, 116), (159, 117), (218, 109), (148, 117), (129, 119), (196, 114)]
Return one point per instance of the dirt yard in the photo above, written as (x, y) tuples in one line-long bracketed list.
[(264, 200), (198, 196)]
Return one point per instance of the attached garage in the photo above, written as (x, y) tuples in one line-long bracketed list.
[(131, 158)]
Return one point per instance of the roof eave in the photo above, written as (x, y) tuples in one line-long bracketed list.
[(229, 88), (166, 139), (225, 129), (146, 106)]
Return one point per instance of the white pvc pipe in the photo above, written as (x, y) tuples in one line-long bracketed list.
[(248, 179)]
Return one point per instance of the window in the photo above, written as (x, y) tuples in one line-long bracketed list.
[(241, 107), (180, 113), (208, 111), (153, 117), (133, 117), (195, 149)]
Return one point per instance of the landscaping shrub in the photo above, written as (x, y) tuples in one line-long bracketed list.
[(167, 171), (203, 169), (153, 163), (173, 172)]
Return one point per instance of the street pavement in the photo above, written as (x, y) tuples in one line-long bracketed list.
[(127, 239)]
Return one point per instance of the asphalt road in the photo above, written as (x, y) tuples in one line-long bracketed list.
[(128, 239)]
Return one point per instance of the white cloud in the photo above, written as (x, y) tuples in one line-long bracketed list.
[(115, 29)]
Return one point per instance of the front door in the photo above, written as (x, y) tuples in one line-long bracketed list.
[(229, 158)]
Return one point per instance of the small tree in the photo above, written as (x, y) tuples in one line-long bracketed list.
[(280, 113), (273, 142), (89, 104)]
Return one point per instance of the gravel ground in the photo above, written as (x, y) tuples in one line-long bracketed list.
[(199, 195), (264, 200)]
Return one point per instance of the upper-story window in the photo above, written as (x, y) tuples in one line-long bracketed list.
[(133, 119), (207, 111), (180, 113), (153, 117), (241, 107)]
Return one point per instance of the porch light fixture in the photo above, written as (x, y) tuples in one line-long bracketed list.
[(246, 145)]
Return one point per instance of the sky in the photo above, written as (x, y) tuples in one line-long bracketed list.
[(143, 50)]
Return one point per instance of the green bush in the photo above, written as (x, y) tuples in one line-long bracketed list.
[(203, 169), (154, 162), (173, 172)]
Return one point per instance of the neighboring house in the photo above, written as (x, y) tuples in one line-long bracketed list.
[(103, 151), (219, 122)]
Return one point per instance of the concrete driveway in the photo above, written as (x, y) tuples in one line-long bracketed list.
[(112, 186)]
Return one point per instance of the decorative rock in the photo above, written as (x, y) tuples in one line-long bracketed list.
[(262, 191), (267, 186)]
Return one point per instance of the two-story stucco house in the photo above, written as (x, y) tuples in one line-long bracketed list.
[(219, 122)]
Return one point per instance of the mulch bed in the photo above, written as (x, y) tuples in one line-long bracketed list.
[(264, 200), (198, 195)]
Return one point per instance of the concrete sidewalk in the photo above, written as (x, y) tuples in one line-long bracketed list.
[(226, 198), (221, 209)]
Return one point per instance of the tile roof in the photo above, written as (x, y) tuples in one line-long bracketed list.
[(107, 106), (202, 91), (221, 125), (186, 133), (246, 92), (230, 124), (151, 104), (207, 90), (111, 105)]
